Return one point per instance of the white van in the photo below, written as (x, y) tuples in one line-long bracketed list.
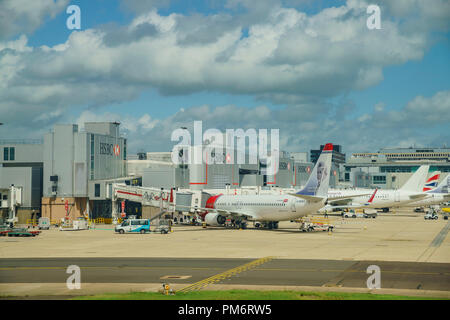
[(133, 226)]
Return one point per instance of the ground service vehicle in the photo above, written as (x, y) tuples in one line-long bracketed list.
[(133, 226), (44, 223), (431, 216)]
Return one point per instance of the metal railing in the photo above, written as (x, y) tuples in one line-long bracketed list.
[(55, 222), (21, 141)]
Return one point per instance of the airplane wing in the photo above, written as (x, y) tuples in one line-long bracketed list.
[(349, 206), (340, 202), (312, 199), (418, 196), (233, 213), (344, 200)]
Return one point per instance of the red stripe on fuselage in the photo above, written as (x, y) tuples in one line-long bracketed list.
[(373, 196)]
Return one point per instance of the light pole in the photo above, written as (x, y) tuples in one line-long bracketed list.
[(182, 162)]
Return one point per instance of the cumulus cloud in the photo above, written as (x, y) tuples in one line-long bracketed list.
[(23, 16), (403, 127), (272, 52), (288, 53)]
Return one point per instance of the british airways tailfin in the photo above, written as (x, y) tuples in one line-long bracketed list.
[(432, 182), (416, 182), (319, 180), (443, 187)]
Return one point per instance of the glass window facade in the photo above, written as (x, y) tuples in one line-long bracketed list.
[(92, 156), (97, 190)]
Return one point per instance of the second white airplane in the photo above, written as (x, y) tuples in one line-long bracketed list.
[(410, 192)]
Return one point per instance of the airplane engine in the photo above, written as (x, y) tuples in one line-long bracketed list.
[(214, 219)]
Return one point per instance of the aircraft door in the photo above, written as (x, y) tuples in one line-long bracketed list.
[(397, 196), (293, 205)]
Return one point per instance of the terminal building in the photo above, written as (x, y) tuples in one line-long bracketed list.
[(21, 165), (78, 165), (71, 170), (389, 168), (68, 168), (338, 157), (158, 170)]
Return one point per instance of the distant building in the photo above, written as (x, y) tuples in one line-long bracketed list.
[(158, 170), (390, 167), (21, 165), (79, 165), (338, 156)]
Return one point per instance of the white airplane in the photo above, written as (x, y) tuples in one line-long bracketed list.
[(437, 195), (410, 192), (269, 209)]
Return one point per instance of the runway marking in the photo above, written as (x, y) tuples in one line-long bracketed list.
[(435, 244), (227, 274), (437, 241), (228, 271)]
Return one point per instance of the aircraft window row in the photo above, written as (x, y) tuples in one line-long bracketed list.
[(259, 204)]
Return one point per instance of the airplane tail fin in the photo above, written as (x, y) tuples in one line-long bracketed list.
[(319, 180), (416, 182), (432, 182), (443, 187)]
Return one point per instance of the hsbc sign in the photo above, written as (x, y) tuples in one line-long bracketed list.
[(109, 149)]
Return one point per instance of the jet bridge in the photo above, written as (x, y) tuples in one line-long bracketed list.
[(11, 199), (153, 197)]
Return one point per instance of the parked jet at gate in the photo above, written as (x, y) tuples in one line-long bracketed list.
[(435, 196), (270, 209), (274, 208), (410, 192)]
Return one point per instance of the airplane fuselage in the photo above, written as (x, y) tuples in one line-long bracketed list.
[(382, 198), (432, 199), (268, 207)]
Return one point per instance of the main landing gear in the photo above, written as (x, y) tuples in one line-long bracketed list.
[(267, 225)]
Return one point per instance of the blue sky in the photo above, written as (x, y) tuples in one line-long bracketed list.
[(338, 91)]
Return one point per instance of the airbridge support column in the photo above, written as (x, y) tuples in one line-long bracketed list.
[(115, 215)]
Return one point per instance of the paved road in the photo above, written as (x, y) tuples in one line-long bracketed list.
[(395, 275)]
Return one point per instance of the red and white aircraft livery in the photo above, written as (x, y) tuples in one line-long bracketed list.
[(269, 209), (410, 192)]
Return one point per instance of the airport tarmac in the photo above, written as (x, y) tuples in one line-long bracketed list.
[(390, 237), (413, 254), (16, 274)]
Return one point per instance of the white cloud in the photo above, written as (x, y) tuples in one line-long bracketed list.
[(278, 57), (288, 57), (404, 127), (18, 16)]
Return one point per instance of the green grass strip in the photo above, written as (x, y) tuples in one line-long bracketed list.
[(253, 295)]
